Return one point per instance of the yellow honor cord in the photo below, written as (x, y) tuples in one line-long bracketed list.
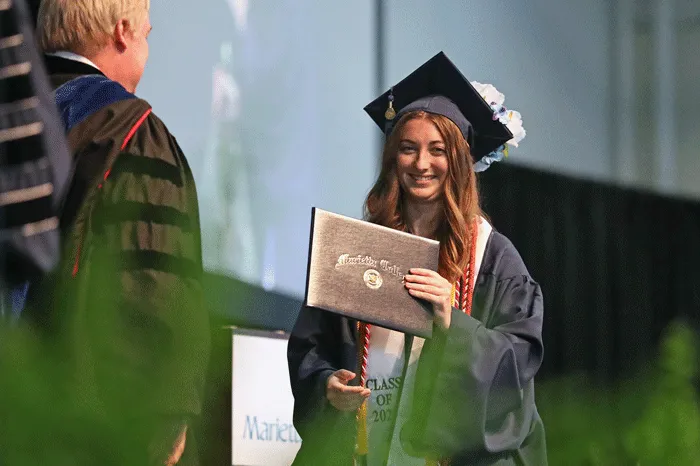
[(362, 438)]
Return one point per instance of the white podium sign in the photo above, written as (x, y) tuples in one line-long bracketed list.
[(262, 401)]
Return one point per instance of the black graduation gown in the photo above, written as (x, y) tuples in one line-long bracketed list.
[(474, 383), (125, 308)]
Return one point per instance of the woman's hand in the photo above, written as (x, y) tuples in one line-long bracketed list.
[(432, 287), (178, 448), (343, 396)]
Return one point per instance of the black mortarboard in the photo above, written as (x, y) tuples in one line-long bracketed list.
[(439, 87)]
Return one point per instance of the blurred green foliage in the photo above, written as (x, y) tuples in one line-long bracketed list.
[(40, 423), (652, 418)]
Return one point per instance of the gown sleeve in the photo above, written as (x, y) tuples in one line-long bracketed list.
[(474, 382), (312, 359), (320, 343)]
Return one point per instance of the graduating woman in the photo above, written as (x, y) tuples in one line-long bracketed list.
[(465, 396)]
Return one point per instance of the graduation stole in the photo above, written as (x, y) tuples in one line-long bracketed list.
[(462, 294)]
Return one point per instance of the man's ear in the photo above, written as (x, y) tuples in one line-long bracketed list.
[(121, 30)]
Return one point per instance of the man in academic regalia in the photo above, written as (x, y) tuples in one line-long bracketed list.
[(124, 310)]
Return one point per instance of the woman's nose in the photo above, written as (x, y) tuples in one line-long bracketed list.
[(423, 160)]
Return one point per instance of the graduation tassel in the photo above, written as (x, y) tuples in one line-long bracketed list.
[(362, 447)]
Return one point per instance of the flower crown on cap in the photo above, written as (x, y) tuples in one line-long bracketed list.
[(510, 118)]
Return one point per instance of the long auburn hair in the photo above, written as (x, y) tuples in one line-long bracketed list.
[(460, 198)]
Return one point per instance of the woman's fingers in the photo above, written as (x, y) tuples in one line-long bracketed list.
[(426, 277), (432, 289), (435, 294), (344, 375), (423, 279), (346, 401), (423, 272), (348, 389), (426, 296), (342, 396)]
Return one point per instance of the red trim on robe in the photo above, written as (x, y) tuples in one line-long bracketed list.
[(133, 131), (130, 134)]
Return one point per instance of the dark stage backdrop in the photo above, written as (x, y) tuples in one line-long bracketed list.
[(615, 265)]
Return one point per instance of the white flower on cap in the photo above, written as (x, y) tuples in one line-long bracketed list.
[(515, 125), (489, 93), (512, 119)]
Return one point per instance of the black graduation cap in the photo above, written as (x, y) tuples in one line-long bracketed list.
[(439, 87)]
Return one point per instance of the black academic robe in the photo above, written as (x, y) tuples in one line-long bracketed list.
[(124, 311), (474, 387)]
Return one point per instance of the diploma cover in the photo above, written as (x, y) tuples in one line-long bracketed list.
[(356, 269)]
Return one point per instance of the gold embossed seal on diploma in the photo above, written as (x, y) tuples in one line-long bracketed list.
[(357, 268), (373, 279)]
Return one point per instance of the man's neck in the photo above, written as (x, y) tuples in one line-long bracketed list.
[(75, 57), (103, 61)]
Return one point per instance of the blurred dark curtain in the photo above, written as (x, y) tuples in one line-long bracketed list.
[(615, 265)]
